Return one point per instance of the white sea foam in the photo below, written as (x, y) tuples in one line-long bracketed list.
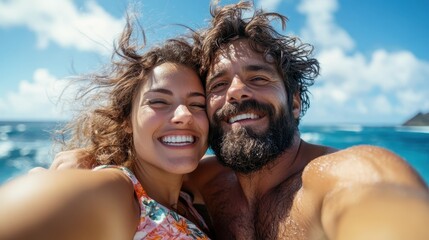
[(3, 136), (350, 128), (5, 129), (24, 164), (311, 137), (43, 155), (5, 148), (21, 127), (24, 151), (418, 129)]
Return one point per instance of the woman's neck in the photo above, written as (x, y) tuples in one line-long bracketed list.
[(162, 186)]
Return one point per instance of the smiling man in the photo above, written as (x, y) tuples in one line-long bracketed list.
[(265, 182), (247, 100)]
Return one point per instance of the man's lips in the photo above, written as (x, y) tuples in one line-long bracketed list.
[(243, 116)]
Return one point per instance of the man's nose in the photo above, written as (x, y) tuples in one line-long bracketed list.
[(182, 115), (238, 90)]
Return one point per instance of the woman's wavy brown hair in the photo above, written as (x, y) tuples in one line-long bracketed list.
[(293, 58), (107, 97)]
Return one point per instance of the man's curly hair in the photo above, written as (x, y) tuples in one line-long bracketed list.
[(293, 58)]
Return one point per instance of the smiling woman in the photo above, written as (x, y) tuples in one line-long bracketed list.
[(144, 124), (173, 93)]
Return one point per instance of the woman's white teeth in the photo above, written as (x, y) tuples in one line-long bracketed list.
[(178, 140), (242, 117)]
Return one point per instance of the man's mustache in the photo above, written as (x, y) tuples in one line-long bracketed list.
[(235, 108)]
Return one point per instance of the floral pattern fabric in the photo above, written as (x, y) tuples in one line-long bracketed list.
[(157, 221)]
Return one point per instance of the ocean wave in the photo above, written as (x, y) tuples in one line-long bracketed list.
[(6, 129), (5, 148), (416, 129), (21, 127), (350, 128)]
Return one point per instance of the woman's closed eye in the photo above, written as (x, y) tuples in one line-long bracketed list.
[(198, 106), (157, 102)]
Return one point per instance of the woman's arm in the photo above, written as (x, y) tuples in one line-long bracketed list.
[(68, 204)]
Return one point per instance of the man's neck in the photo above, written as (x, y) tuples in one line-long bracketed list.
[(259, 183)]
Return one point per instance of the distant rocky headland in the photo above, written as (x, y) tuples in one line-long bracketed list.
[(420, 119)]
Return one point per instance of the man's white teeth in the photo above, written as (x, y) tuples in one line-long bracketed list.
[(178, 140), (242, 117)]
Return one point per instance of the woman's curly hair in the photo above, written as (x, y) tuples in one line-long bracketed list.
[(107, 97), (293, 59)]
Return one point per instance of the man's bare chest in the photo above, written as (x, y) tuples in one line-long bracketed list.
[(278, 215)]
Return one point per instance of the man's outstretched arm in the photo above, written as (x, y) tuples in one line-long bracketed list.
[(368, 192), (377, 211)]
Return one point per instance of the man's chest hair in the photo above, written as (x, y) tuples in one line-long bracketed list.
[(272, 216)]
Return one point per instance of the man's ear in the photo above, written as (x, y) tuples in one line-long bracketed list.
[(296, 105)]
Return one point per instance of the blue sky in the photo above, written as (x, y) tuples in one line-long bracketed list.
[(373, 53)]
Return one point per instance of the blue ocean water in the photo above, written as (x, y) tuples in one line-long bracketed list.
[(24, 145)]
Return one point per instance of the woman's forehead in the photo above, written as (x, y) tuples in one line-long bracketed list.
[(172, 76)]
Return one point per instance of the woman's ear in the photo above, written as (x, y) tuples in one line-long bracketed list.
[(128, 128)]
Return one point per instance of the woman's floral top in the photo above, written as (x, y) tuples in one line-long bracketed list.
[(157, 221)]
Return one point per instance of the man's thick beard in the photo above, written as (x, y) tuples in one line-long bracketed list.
[(244, 150)]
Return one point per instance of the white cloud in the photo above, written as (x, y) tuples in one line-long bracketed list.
[(268, 5), (60, 21), (384, 87), (36, 99), (321, 29)]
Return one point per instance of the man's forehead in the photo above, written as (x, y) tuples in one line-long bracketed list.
[(238, 51), (233, 51)]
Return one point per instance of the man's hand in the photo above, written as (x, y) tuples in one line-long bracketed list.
[(72, 159)]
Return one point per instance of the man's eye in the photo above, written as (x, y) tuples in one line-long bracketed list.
[(258, 80), (218, 86)]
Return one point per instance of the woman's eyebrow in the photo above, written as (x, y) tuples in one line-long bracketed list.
[(169, 92), (160, 90), (196, 94)]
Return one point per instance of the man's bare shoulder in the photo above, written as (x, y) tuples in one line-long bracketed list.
[(362, 164), (204, 176), (208, 169)]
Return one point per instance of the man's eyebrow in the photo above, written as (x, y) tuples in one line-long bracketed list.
[(215, 75), (250, 68), (258, 67)]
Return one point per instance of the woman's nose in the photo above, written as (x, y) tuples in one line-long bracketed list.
[(182, 115)]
